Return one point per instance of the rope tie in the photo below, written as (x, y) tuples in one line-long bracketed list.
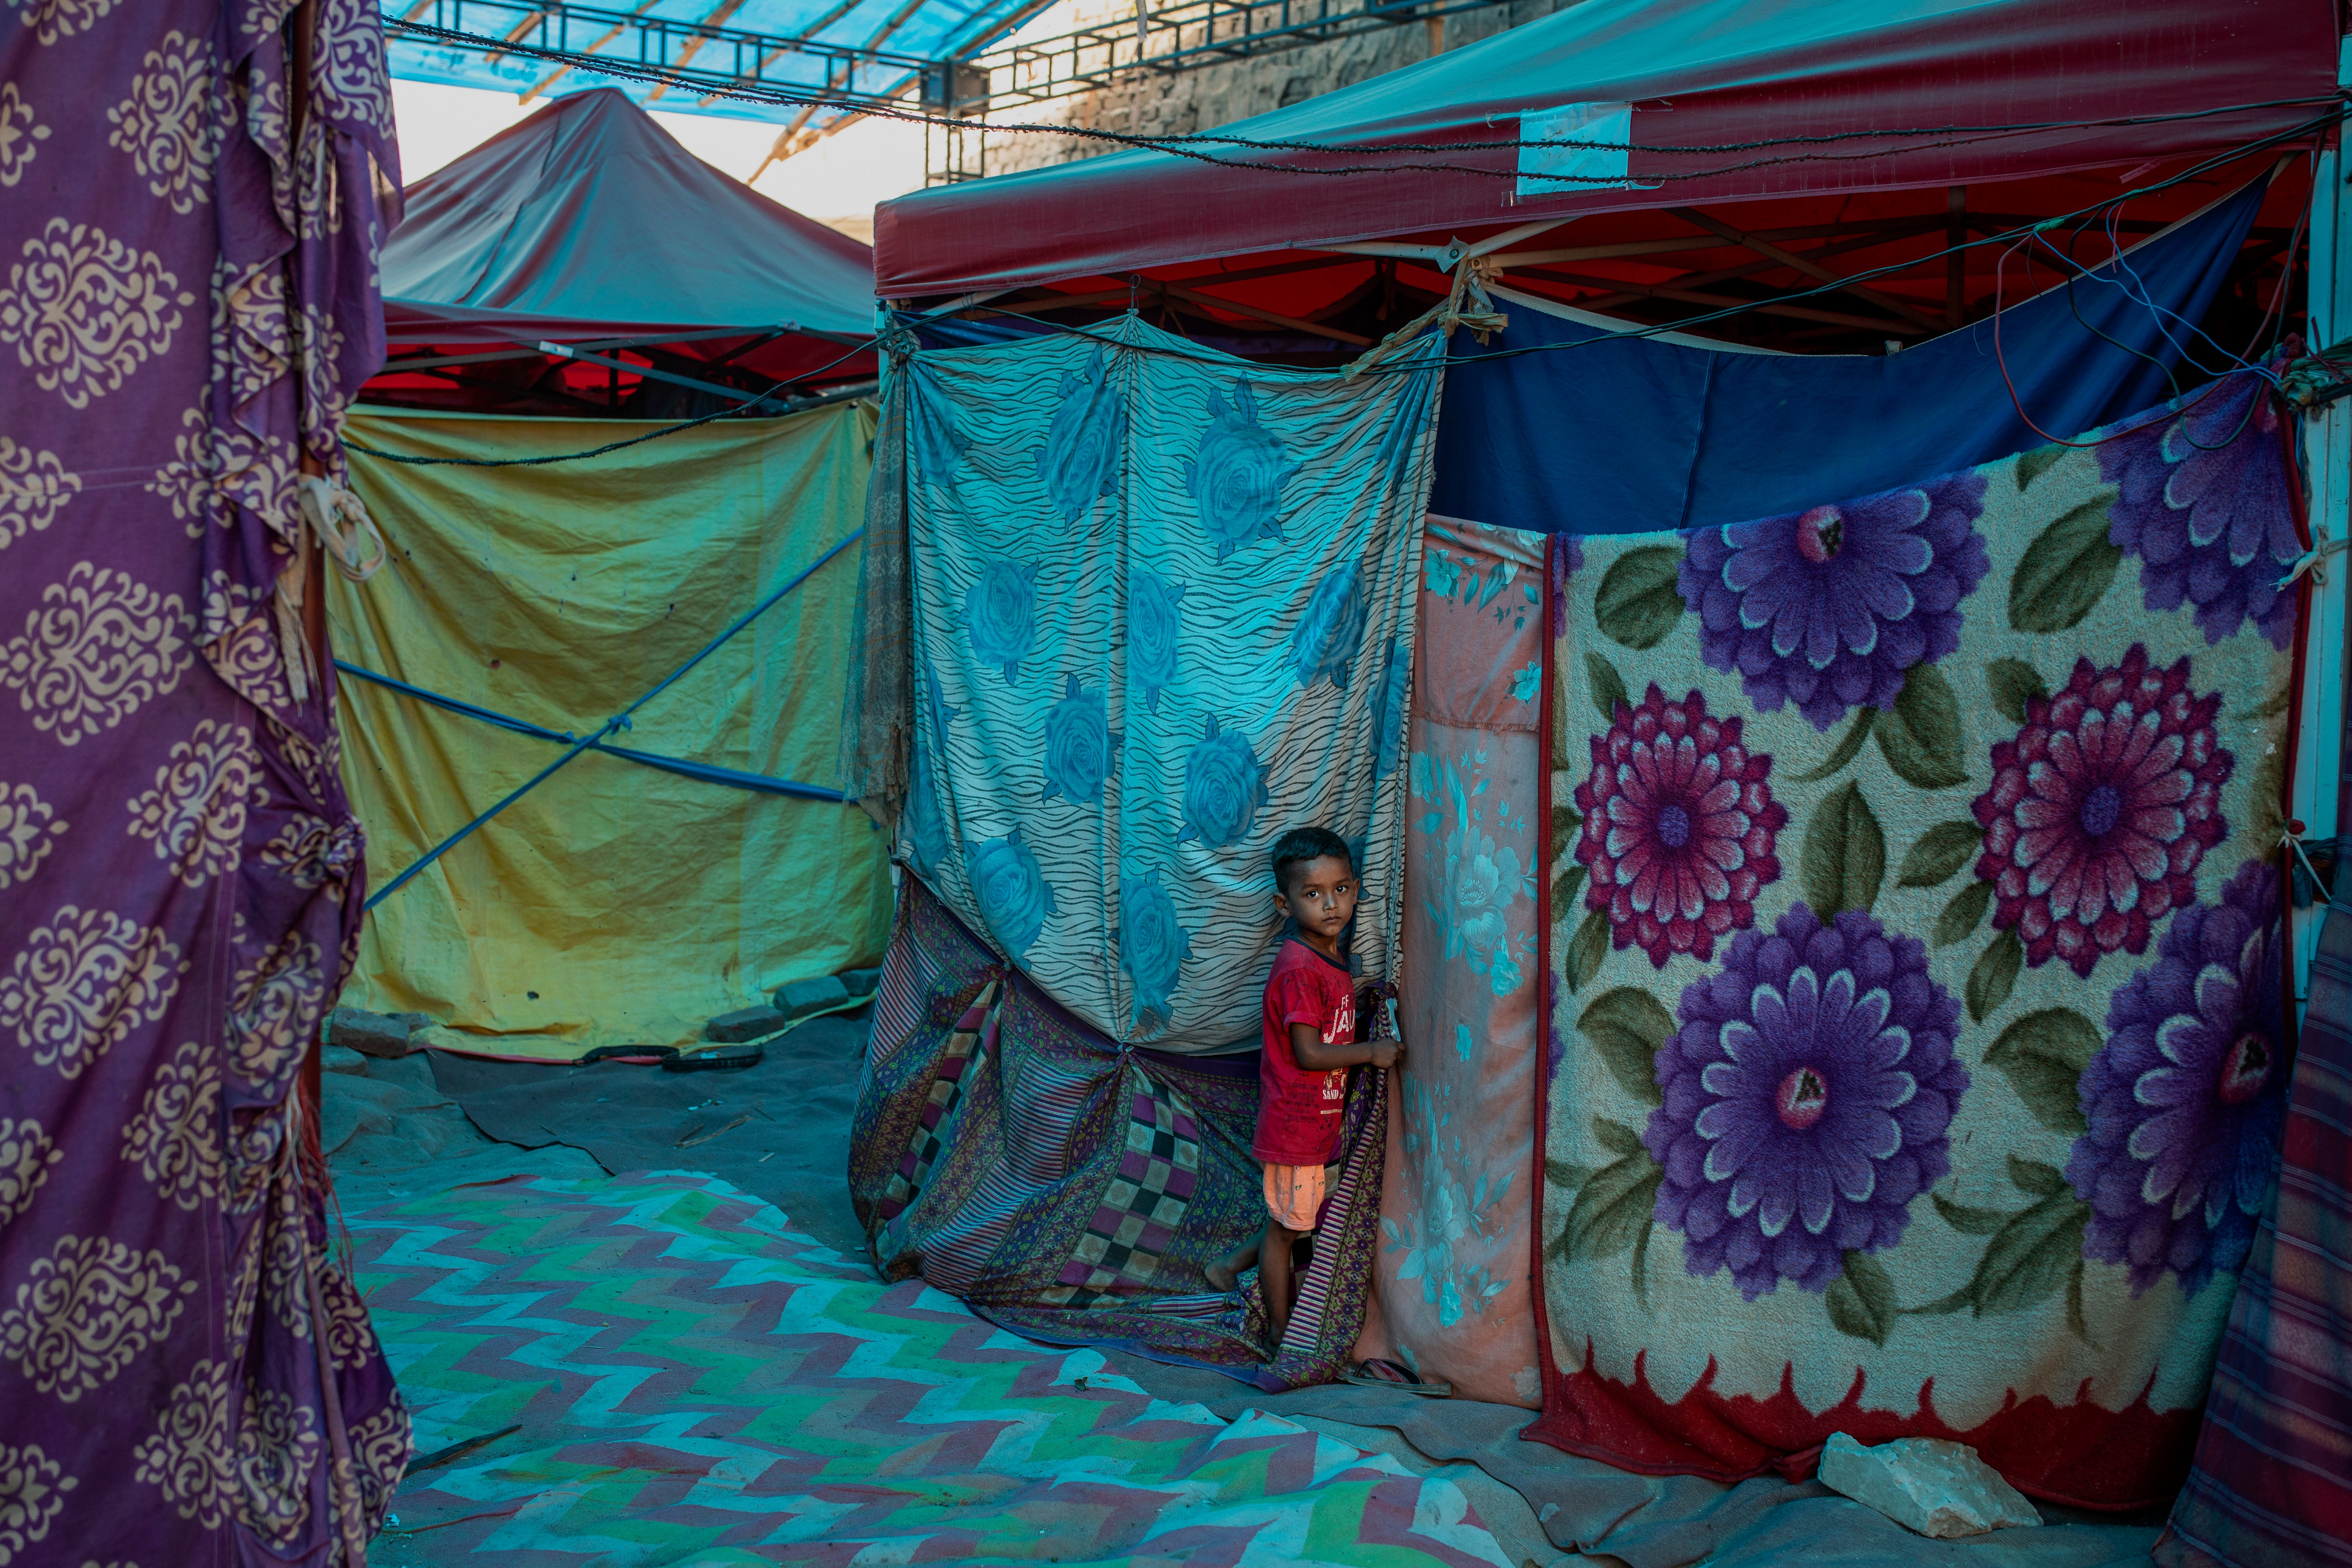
[(293, 640), (2315, 378), (326, 504), (1467, 304), (2310, 560), (2292, 838)]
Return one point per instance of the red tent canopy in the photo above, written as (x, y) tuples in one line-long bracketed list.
[(588, 224), (1732, 100)]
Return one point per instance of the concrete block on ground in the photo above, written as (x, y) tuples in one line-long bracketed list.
[(1938, 1488), (342, 1059), (802, 997), (373, 1034), (861, 981), (747, 1024)]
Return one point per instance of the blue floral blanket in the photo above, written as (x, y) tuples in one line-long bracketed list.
[(1917, 1025), (1163, 611)]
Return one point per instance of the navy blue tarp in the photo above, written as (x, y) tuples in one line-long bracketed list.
[(1625, 435)]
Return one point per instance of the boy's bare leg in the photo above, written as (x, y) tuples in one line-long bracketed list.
[(1276, 1280), (1226, 1271)]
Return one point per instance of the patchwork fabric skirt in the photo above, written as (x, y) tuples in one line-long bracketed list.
[(1075, 1191)]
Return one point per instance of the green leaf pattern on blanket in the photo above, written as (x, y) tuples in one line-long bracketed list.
[(1941, 850), (1848, 746), (1921, 738), (1638, 603), (2065, 572), (1963, 914), (1627, 1026), (1608, 685), (1861, 1300), (1968, 878), (1995, 975), (2032, 1252), (2042, 1054), (1844, 857), (2012, 681), (1587, 951), (1613, 1205)]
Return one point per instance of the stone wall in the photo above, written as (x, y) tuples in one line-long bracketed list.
[(1211, 96)]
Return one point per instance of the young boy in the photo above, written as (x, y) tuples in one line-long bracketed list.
[(1309, 1020)]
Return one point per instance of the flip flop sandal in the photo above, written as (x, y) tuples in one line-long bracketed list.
[(715, 1058), (641, 1056), (1380, 1373)]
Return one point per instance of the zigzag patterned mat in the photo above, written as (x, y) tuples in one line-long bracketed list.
[(698, 1384)]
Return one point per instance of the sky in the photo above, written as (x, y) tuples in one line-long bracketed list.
[(842, 177)]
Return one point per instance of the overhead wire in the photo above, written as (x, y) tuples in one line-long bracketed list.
[(1182, 145), (2010, 239), (2005, 238)]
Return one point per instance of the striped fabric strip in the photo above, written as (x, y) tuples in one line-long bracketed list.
[(900, 997), (2273, 1482), (1308, 1313)]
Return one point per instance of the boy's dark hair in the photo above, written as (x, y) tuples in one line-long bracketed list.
[(1299, 846)]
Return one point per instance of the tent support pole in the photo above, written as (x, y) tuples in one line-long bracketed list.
[(1956, 260), (2321, 758)]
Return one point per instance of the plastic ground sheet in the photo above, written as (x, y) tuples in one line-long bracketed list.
[(696, 1383)]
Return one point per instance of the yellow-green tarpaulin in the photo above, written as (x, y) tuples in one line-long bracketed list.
[(615, 903)]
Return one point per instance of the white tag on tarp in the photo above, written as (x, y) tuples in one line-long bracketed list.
[(1608, 128)]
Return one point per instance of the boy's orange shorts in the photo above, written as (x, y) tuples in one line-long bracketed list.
[(1294, 1195)]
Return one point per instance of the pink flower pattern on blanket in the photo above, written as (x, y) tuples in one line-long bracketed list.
[(1679, 826), (2101, 809)]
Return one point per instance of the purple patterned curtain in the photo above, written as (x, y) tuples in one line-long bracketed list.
[(192, 196)]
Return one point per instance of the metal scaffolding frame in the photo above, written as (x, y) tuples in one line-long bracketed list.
[(1162, 41), (1186, 35), (700, 54)]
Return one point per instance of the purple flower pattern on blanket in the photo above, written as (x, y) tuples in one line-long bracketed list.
[(1808, 1096), (2202, 503), (1828, 608), (2184, 1102)]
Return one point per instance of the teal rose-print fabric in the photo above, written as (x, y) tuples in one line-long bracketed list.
[(1916, 1027), (1163, 609)]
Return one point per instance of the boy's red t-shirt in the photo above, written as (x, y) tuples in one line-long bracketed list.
[(1298, 1110)]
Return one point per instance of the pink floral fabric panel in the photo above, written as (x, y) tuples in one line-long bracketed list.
[(186, 305), (1450, 1290), (1918, 1031)]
